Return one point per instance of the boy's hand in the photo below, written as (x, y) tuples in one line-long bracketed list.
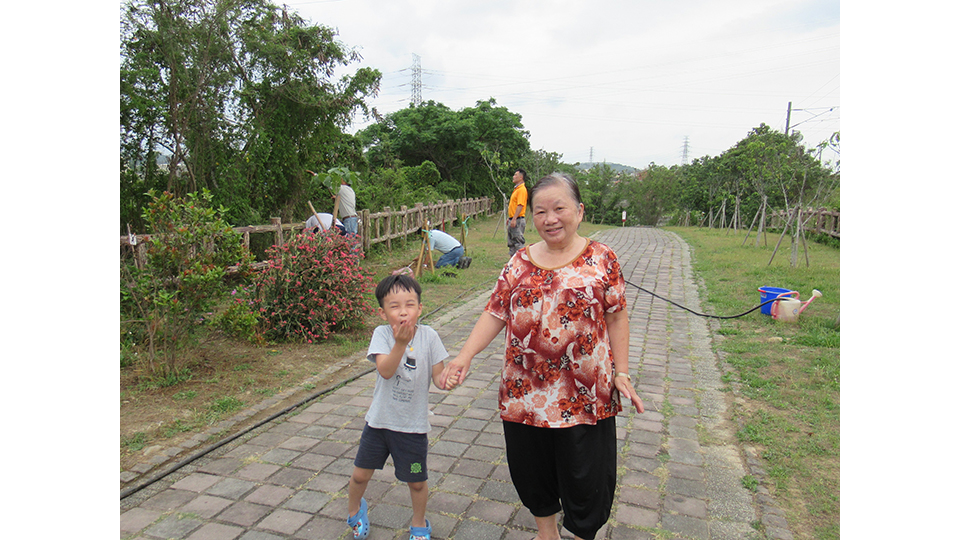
[(452, 382), (404, 331)]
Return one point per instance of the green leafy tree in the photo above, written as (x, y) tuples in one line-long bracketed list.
[(404, 186), (539, 163), (455, 141), (241, 95), (169, 297), (600, 198)]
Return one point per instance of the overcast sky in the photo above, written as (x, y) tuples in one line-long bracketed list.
[(624, 81)]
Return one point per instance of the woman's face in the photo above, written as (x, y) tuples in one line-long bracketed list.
[(556, 215)]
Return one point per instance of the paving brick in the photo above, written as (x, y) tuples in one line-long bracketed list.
[(687, 527), (634, 515), (291, 477), (478, 530), (492, 511), (284, 521), (307, 501), (197, 482), (685, 505), (135, 519), (216, 531), (330, 483), (450, 503), (220, 467), (206, 506), (460, 484), (244, 513), (301, 444), (280, 456), (169, 499), (499, 491), (231, 488), (173, 527), (257, 471), (269, 495)]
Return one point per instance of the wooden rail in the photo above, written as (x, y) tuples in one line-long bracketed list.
[(375, 227), (816, 220)]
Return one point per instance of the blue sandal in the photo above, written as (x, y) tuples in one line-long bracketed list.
[(360, 523), (420, 533)]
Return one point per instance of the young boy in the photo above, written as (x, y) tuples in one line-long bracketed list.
[(408, 355)]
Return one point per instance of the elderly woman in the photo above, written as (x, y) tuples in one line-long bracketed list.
[(566, 365)]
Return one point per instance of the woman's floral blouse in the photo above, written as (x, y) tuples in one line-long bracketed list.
[(558, 368)]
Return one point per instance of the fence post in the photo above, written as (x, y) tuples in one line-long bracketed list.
[(365, 230), (278, 238), (389, 227)]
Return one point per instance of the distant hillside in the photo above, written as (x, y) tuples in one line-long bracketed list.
[(615, 166)]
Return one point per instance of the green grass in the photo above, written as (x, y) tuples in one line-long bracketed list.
[(789, 374)]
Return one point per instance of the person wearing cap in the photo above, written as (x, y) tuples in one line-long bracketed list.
[(325, 221)]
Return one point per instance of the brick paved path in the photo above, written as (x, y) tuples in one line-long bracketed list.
[(679, 468)]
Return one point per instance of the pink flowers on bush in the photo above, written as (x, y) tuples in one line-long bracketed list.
[(313, 285)]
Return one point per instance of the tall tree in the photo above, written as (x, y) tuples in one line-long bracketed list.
[(242, 96), (455, 141)]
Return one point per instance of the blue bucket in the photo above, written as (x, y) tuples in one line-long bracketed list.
[(769, 293)]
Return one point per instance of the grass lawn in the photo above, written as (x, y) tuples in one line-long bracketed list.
[(786, 377)]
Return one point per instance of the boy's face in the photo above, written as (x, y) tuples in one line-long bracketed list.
[(400, 306)]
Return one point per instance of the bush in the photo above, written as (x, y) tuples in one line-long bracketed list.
[(312, 286), (240, 319), (167, 299)]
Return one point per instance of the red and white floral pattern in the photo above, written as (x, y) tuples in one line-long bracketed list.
[(558, 367)]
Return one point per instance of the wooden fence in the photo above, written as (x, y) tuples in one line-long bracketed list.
[(816, 220), (375, 228)]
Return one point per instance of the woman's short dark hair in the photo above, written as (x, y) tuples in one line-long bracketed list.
[(557, 178)]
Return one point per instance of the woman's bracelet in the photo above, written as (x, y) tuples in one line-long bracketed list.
[(627, 375)]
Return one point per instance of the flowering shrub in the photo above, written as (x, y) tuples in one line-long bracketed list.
[(312, 286)]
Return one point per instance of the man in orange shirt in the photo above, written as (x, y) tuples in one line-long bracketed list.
[(516, 210)]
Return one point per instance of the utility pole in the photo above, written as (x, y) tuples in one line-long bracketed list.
[(415, 85), (786, 130)]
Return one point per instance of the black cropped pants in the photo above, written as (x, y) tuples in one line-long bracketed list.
[(572, 469)]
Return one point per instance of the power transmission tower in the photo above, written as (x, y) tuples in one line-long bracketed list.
[(415, 85), (686, 150), (591, 156)]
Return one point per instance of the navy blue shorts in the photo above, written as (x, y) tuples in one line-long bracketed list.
[(409, 451)]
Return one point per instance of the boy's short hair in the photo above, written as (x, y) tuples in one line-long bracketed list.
[(399, 281)]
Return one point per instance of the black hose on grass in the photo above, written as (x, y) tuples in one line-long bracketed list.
[(703, 314)]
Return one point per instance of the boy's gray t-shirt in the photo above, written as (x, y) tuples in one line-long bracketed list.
[(400, 402)]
